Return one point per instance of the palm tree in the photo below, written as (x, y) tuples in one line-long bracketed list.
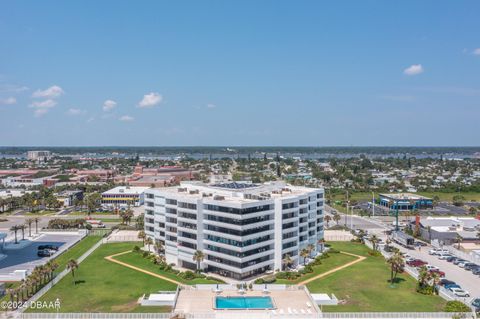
[(396, 266), (72, 265), (435, 277), (336, 218), (158, 246), (15, 229), (198, 257), (374, 240), (458, 239), (328, 218), (310, 248), (304, 253), (142, 235), (287, 261), (148, 242), (29, 223), (36, 220), (22, 228), (321, 243)]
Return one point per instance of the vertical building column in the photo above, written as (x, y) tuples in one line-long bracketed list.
[(278, 222)]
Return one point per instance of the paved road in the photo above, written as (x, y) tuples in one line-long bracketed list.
[(464, 278), (357, 222)]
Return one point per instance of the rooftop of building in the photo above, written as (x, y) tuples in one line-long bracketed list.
[(438, 222), (238, 191), (134, 190), (404, 196)]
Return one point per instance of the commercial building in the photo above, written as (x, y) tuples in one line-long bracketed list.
[(243, 229), (405, 201), (157, 176), (68, 197), (445, 230), (40, 156), (123, 196)]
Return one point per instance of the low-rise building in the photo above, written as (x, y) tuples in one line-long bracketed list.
[(446, 230), (123, 196), (68, 197), (405, 201)]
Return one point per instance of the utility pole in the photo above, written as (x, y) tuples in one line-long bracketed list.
[(396, 215), (373, 204), (347, 211)]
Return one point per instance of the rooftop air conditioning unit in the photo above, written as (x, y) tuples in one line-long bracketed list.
[(218, 197)]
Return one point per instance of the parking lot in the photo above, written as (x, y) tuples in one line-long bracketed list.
[(26, 258), (464, 278)]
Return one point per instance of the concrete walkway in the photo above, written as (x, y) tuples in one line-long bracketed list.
[(112, 259), (359, 259)]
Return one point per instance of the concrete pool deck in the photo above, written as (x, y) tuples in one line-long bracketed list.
[(295, 300)]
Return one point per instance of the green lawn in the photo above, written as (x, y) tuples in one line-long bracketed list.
[(365, 288), (76, 251), (103, 286), (335, 260), (136, 259)]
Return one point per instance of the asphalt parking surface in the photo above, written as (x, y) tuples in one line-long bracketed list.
[(464, 278), (26, 258)]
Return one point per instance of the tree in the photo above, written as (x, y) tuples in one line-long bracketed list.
[(374, 239), (198, 257), (15, 229), (287, 261), (72, 265), (336, 218), (158, 246), (310, 248), (29, 223), (396, 266), (328, 218), (142, 236), (304, 253), (36, 220), (321, 243), (148, 242), (22, 228), (458, 239), (92, 202)]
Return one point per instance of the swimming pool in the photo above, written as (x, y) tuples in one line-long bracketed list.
[(243, 302)]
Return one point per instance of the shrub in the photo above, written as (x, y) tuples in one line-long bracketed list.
[(259, 281), (456, 306), (145, 254), (136, 249), (333, 251), (281, 275), (270, 279), (188, 275)]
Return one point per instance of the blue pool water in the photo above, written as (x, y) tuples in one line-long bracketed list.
[(243, 303)]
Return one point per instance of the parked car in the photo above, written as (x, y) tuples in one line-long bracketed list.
[(476, 271), (433, 251), (458, 260), (45, 253), (462, 264), (451, 259), (50, 247), (476, 304), (420, 243), (431, 268), (444, 282), (416, 263), (439, 272), (444, 256), (470, 266), (452, 286), (459, 292)]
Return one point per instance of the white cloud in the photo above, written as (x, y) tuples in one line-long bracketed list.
[(8, 101), (150, 100), (211, 106), (47, 104), (90, 120), (126, 118), (413, 69), (476, 51), (52, 92), (109, 105), (40, 112), (74, 112), (12, 88)]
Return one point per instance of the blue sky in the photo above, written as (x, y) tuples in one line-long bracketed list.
[(293, 73)]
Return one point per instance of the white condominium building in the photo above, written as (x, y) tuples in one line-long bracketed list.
[(243, 229)]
